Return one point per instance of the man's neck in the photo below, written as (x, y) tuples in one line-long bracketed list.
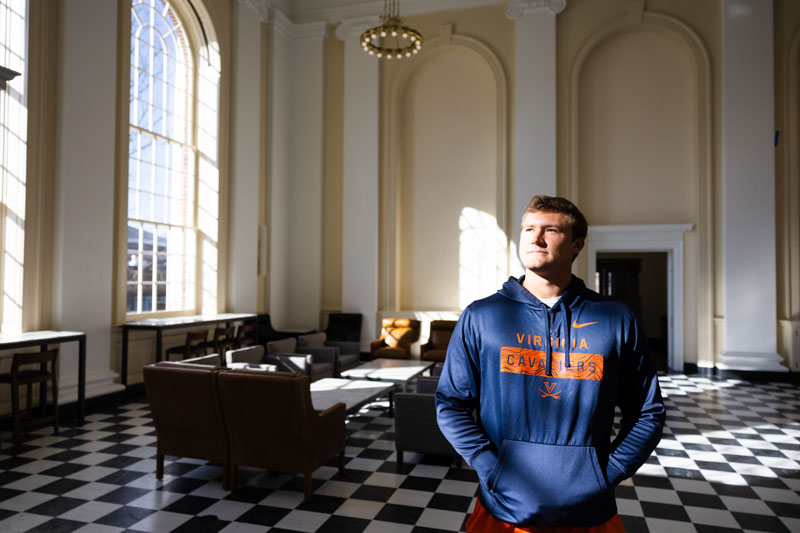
[(544, 288)]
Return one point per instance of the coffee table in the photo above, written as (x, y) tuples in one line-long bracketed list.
[(398, 371), (355, 393)]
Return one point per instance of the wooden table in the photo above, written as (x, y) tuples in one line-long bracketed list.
[(398, 371), (43, 339), (160, 324)]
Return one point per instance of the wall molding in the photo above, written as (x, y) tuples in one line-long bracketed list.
[(519, 8), (650, 21)]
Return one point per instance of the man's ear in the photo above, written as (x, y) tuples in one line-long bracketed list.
[(577, 246)]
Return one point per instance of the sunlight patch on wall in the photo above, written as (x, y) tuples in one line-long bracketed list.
[(482, 258)]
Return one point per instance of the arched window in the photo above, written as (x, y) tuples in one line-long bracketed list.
[(13, 168), (173, 176)]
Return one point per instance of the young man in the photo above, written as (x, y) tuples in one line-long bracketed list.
[(542, 364)]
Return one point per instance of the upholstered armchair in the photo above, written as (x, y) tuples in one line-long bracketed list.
[(316, 362), (249, 357), (187, 414), (397, 336), (415, 426), (344, 327), (347, 357), (293, 438), (436, 347)]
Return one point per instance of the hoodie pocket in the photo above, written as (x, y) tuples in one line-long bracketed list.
[(546, 480)]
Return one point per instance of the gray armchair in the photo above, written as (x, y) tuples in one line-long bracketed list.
[(316, 362), (348, 352), (249, 357), (415, 427)]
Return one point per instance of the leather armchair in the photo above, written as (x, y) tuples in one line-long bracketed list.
[(436, 347), (415, 426), (347, 353), (293, 438), (187, 414), (316, 362), (397, 336)]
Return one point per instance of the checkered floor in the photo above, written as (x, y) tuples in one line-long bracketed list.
[(729, 461)]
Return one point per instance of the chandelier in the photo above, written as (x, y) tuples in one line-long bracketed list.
[(391, 38)]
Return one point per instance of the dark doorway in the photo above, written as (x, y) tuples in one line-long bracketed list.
[(639, 280)]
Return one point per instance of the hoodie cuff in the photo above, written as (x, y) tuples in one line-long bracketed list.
[(614, 474), (484, 464)]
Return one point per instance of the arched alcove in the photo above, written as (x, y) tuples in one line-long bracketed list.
[(640, 147), (444, 142)]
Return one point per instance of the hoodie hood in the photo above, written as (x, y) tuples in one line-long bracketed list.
[(570, 299)]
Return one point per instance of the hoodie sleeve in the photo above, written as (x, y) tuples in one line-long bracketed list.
[(458, 396), (643, 412)]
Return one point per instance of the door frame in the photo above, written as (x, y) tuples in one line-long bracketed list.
[(649, 238)]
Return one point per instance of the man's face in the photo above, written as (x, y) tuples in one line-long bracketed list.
[(546, 246)]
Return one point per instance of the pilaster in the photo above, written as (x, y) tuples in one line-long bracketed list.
[(360, 179), (748, 188), (534, 157)]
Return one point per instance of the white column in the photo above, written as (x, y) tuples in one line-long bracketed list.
[(296, 171), (534, 101), (748, 188), (84, 193), (360, 180), (243, 230)]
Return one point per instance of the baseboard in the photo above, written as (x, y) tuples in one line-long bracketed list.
[(68, 413), (691, 369), (780, 377)]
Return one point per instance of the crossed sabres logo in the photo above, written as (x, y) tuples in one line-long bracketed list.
[(550, 394)]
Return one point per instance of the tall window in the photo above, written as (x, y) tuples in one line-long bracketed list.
[(13, 152), (173, 177)]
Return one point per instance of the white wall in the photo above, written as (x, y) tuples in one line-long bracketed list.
[(84, 193), (243, 229)]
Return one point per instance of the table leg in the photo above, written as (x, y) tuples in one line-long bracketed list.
[(159, 339), (81, 379), (42, 389), (123, 371)]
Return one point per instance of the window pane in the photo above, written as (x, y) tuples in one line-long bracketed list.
[(133, 267), (147, 267), (131, 300), (161, 301)]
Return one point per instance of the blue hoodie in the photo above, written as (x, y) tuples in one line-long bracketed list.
[(543, 384)]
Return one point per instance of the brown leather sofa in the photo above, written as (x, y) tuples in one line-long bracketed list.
[(436, 347), (397, 336), (187, 414), (290, 436), (208, 412)]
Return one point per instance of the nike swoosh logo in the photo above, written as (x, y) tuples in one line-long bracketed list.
[(579, 326)]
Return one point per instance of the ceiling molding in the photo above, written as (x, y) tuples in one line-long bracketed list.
[(335, 11)]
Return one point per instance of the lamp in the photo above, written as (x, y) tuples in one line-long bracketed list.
[(391, 38)]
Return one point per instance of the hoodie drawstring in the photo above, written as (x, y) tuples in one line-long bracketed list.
[(548, 363), (567, 324), (567, 341)]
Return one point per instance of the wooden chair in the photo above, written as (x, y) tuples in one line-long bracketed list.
[(223, 339), (194, 346), (245, 335), (44, 371)]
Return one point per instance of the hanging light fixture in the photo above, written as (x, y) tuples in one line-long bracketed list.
[(391, 39)]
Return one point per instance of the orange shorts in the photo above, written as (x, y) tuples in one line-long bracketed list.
[(482, 522)]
